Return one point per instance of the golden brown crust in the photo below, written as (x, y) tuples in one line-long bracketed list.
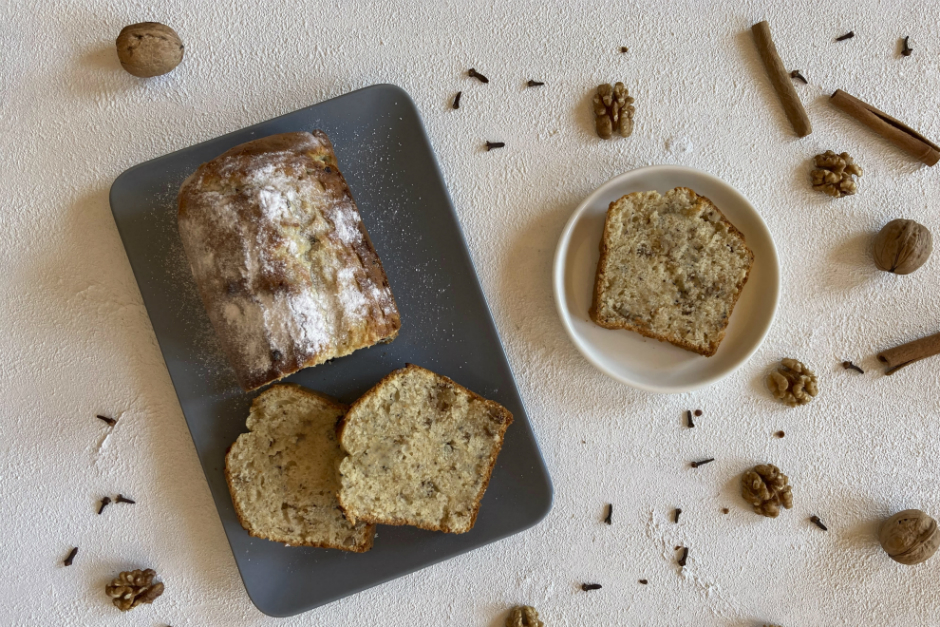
[(598, 287), (284, 142), (243, 519), (326, 398), (271, 272), (493, 406)]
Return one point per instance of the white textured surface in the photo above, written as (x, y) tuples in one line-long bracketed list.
[(77, 340)]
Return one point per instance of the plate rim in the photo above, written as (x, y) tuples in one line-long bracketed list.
[(559, 265)]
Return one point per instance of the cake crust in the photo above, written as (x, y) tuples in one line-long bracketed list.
[(283, 263)]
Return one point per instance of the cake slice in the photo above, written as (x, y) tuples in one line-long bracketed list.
[(420, 449), (282, 260), (283, 473), (671, 268)]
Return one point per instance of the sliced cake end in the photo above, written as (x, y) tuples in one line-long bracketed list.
[(283, 475)]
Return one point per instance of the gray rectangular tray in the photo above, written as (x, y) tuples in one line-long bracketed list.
[(446, 326)]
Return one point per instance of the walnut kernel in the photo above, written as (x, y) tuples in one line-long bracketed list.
[(834, 174), (766, 488), (149, 49), (910, 537), (524, 616), (902, 246), (793, 383), (133, 587), (613, 111)]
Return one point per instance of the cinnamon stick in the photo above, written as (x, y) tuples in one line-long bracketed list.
[(895, 131), (780, 79), (900, 356)]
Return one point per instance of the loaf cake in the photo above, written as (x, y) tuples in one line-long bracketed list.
[(420, 450), (283, 473), (284, 265), (671, 268)]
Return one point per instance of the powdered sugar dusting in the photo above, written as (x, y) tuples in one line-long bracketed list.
[(309, 324), (346, 223), (274, 204), (353, 301)]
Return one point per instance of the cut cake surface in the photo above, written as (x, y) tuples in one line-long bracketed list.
[(672, 268), (420, 450)]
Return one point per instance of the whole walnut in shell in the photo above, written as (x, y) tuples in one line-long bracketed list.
[(910, 537), (149, 49), (902, 246)]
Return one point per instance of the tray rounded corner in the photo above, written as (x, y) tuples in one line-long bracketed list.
[(546, 504), (397, 90), (120, 182)]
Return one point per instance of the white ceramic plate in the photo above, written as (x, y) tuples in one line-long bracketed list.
[(639, 361)]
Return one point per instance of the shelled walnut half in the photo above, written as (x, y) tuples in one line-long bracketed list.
[(133, 587), (834, 174), (613, 111), (767, 489), (524, 616), (793, 383)]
